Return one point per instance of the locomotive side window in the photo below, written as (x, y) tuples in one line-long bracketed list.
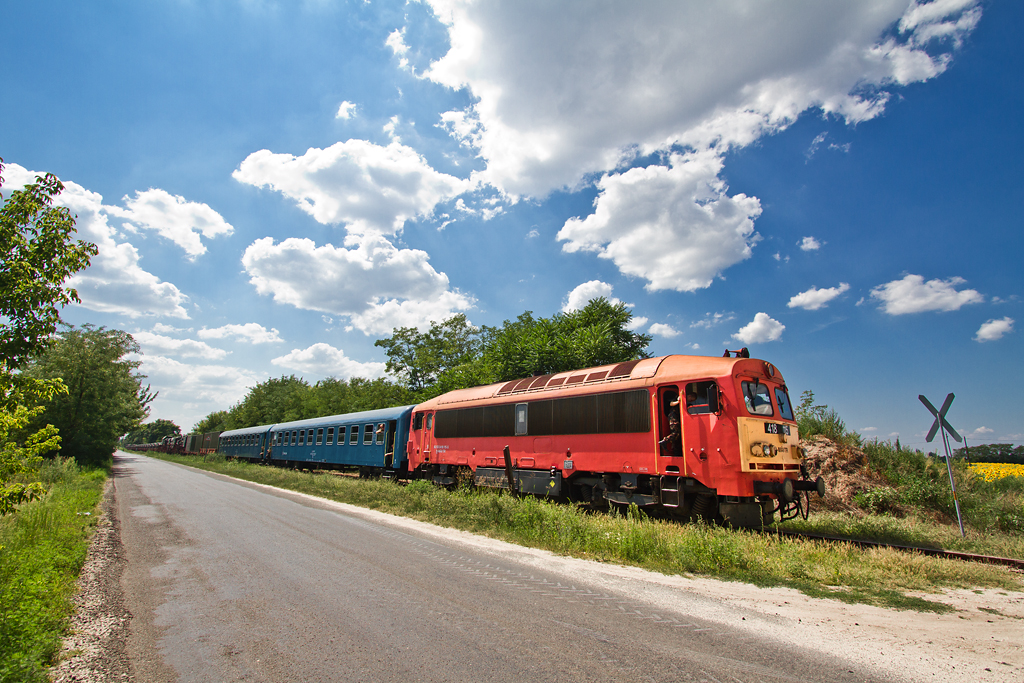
[(367, 434), (521, 413), (785, 407), (757, 398), (430, 421), (354, 438), (697, 397), (417, 421), (320, 436)]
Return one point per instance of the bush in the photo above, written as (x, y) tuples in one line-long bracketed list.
[(820, 419)]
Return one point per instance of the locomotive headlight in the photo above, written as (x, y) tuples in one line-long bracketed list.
[(763, 450)]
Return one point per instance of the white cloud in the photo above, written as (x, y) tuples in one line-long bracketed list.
[(994, 329), (370, 188), (174, 218), (815, 298), (378, 286), (710, 320), (913, 295), (563, 90), (809, 244), (190, 392), (672, 225), (159, 344), (979, 433), (663, 330), (761, 329), (326, 361), (253, 333), (346, 110), (114, 281), (581, 295), (636, 323)]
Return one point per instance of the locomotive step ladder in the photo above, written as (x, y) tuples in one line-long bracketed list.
[(671, 492)]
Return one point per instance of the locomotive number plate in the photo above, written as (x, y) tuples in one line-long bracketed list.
[(774, 428)]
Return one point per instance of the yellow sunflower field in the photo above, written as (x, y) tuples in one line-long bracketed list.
[(990, 471)]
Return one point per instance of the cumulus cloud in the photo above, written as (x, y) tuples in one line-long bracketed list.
[(253, 333), (809, 244), (711, 319), (114, 282), (346, 110), (581, 295), (994, 329), (563, 90), (378, 286), (326, 361), (663, 330), (159, 344), (815, 298), (636, 323), (370, 188), (913, 295), (674, 226), (189, 392), (173, 217), (762, 328)]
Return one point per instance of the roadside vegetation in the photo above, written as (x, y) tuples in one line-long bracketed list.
[(42, 549), (825, 569)]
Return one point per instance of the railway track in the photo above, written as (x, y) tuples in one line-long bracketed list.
[(934, 552)]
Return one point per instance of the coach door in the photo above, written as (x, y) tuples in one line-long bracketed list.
[(389, 444)]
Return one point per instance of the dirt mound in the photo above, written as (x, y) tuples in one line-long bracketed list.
[(844, 469)]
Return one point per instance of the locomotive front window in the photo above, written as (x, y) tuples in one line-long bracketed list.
[(757, 398), (354, 438), (785, 407)]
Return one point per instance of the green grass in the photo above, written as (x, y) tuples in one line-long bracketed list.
[(42, 549), (838, 570)]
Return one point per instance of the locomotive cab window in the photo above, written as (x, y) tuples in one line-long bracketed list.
[(430, 421), (785, 407), (522, 410), (417, 421), (367, 435), (757, 398), (701, 398)]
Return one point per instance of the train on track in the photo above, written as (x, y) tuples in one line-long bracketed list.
[(683, 436)]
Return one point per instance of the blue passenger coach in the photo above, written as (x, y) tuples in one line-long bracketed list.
[(373, 441), (249, 443)]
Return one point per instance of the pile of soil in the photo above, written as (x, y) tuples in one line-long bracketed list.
[(845, 471)]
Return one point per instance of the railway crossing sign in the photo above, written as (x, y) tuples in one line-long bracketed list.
[(940, 418), (940, 424)]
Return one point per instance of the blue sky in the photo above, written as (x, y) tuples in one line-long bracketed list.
[(275, 185)]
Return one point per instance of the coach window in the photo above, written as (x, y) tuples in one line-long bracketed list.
[(353, 438), (330, 436), (320, 436), (757, 398), (367, 434), (341, 436), (380, 433), (521, 411), (294, 434)]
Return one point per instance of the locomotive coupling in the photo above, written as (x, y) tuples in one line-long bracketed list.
[(784, 490), (808, 485)]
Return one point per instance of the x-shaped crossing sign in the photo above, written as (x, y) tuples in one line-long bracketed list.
[(940, 418)]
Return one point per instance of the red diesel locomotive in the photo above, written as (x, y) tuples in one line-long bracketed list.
[(694, 436)]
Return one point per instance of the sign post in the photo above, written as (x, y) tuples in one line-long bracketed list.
[(947, 430)]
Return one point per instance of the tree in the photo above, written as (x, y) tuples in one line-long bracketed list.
[(37, 256), (276, 400), (217, 421), (154, 431), (105, 397), (455, 354)]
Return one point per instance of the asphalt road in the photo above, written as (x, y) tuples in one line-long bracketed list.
[(230, 581)]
